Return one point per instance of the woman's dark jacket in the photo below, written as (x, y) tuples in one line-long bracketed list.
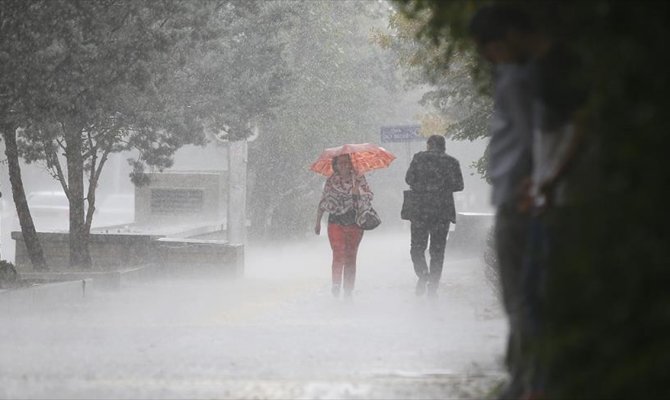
[(433, 177)]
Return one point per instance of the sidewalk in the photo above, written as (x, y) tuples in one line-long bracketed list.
[(277, 333)]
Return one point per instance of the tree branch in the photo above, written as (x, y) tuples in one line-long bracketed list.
[(53, 160)]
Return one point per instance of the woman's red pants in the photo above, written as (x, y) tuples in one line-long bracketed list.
[(344, 240)]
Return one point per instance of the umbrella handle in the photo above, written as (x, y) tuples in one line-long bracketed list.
[(355, 187)]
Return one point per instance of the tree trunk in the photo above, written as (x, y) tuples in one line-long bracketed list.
[(79, 235), (28, 231)]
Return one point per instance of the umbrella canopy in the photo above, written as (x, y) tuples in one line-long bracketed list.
[(364, 157)]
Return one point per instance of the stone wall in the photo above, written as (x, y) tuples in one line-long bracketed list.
[(199, 255), (107, 250), (121, 251), (181, 196)]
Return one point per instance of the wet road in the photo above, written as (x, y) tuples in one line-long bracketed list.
[(277, 333)]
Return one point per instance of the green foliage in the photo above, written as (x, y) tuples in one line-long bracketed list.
[(141, 75), (86, 79), (446, 65), (240, 76), (152, 76), (338, 92), (610, 298), (93, 76)]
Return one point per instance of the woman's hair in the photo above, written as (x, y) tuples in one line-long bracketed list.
[(333, 162)]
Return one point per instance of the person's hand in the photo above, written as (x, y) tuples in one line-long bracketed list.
[(317, 228), (547, 188), (525, 198), (355, 189)]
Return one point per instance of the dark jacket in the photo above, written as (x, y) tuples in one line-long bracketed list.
[(433, 177)]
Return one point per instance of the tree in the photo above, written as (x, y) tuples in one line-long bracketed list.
[(141, 75), (97, 59), (340, 90), (610, 306), (239, 77), (460, 107), (16, 44)]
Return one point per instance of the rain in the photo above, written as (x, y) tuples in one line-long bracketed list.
[(206, 280), (162, 165)]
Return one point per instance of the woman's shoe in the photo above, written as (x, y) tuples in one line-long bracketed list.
[(335, 290), (420, 289)]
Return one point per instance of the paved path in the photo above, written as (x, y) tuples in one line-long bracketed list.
[(277, 333)]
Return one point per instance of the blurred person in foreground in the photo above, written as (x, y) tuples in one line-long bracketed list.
[(551, 97), (345, 191), (556, 237), (433, 177), (499, 33)]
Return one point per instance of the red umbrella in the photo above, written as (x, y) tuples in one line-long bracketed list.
[(364, 157)]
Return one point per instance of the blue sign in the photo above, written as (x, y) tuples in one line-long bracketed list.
[(401, 133)]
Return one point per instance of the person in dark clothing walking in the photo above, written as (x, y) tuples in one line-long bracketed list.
[(433, 176)]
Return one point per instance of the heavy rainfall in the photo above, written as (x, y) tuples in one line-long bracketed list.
[(163, 165)]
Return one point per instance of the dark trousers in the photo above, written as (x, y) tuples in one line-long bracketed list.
[(423, 230), (568, 284), (511, 237), (539, 247)]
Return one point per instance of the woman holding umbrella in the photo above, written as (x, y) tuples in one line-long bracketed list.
[(346, 191)]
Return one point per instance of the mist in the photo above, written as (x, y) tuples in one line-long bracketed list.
[(222, 289), (276, 333)]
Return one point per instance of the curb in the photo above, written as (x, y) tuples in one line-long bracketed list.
[(55, 292)]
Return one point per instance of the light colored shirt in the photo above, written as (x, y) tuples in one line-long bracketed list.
[(549, 150), (509, 151)]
